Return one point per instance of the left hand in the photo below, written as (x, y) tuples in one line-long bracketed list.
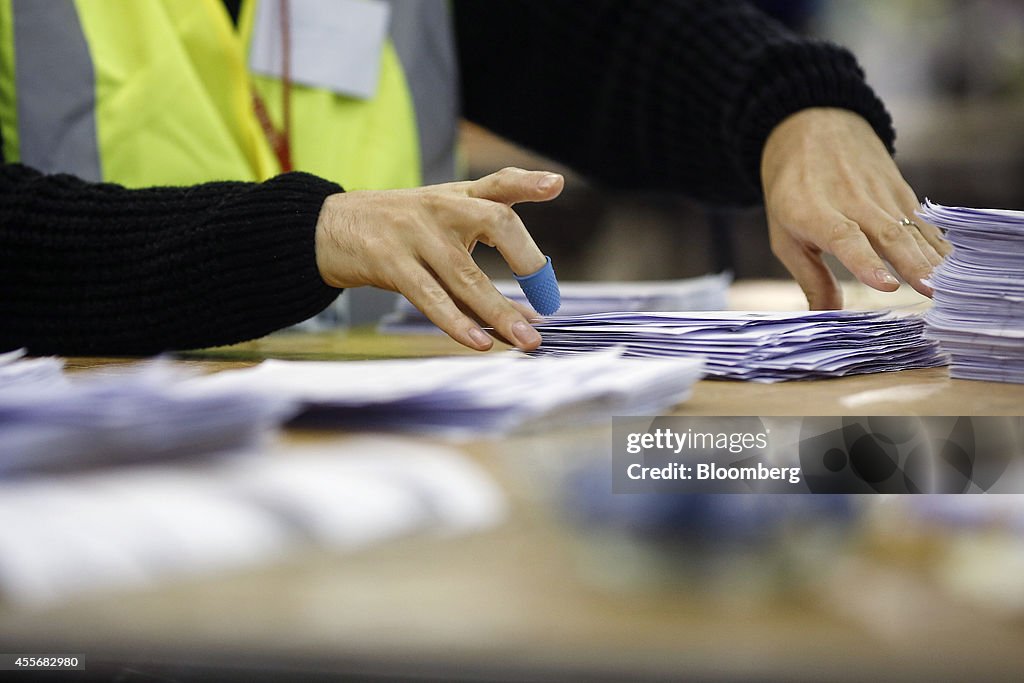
[(831, 186), (418, 242)]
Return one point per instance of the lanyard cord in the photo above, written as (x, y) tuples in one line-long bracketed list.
[(280, 139)]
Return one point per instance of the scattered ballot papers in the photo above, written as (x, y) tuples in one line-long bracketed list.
[(207, 491), (496, 392), (50, 421), (18, 372), (757, 346), (978, 315), (707, 293), (132, 527)]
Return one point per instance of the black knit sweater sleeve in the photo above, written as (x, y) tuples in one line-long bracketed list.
[(657, 94), (91, 268)]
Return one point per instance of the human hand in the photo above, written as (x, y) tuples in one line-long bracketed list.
[(831, 186), (418, 242)]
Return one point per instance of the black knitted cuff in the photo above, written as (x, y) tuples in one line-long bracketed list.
[(94, 269), (792, 75), (266, 261)]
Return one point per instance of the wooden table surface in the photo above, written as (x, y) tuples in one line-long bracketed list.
[(544, 597)]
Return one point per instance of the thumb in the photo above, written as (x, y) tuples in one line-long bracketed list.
[(810, 272), (513, 185)]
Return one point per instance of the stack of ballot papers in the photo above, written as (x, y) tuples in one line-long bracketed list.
[(132, 527), (51, 421), (756, 346), (492, 393), (707, 293), (978, 316)]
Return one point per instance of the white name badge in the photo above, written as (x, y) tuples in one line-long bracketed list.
[(335, 44)]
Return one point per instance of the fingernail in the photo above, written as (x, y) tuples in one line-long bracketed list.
[(479, 338), (883, 275), (927, 291), (548, 181), (524, 334)]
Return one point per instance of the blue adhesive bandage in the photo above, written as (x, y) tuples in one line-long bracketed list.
[(541, 289)]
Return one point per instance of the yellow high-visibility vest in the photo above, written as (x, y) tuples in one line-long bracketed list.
[(159, 92)]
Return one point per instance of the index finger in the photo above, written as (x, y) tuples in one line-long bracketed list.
[(502, 228), (847, 242)]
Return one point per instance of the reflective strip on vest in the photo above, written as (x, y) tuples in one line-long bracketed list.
[(418, 79), (422, 34), (54, 86), (156, 92)]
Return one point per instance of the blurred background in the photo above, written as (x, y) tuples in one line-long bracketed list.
[(951, 73)]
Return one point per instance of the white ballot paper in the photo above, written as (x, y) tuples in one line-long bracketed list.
[(132, 527), (706, 293), (756, 346), (122, 477), (496, 392), (978, 315), (19, 373), (51, 421)]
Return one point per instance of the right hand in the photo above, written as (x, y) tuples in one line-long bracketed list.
[(418, 242), (830, 186)]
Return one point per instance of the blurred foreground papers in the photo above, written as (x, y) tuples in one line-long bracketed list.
[(762, 347), (50, 421), (492, 393), (19, 372), (207, 490), (132, 527), (978, 317)]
